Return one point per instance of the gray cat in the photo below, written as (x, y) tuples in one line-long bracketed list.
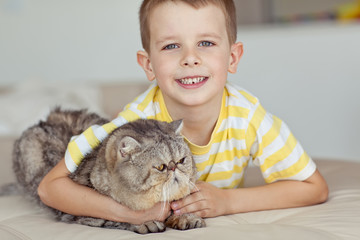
[(138, 164)]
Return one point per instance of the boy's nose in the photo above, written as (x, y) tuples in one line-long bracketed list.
[(190, 59), (191, 63)]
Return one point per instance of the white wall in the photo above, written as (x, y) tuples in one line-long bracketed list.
[(68, 40), (307, 75)]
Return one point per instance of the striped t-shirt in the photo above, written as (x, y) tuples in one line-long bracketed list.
[(244, 132)]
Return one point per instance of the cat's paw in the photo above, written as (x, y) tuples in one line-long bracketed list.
[(149, 227), (185, 221)]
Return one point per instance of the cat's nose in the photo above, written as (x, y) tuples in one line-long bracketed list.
[(172, 166)]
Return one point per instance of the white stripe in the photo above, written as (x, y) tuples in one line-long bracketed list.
[(99, 132), (235, 101), (133, 106), (142, 97), (223, 166), (138, 112), (233, 122), (235, 91), (228, 144), (239, 99), (252, 111), (306, 172), (83, 144), (265, 126), (285, 163), (229, 165), (216, 148), (227, 182), (70, 164), (119, 121), (275, 146), (73, 138), (201, 158), (153, 109)]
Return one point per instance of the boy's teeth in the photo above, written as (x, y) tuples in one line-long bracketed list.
[(192, 80)]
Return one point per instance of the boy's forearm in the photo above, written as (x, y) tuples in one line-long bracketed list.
[(281, 194), (62, 193)]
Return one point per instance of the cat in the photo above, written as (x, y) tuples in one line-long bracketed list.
[(138, 165)]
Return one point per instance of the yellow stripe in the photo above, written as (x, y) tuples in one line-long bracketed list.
[(153, 117), (230, 94), (254, 125), (236, 111), (270, 136), (109, 127), (201, 166), (145, 102), (196, 149), (291, 171), (225, 174), (236, 183), (91, 138), (249, 97), (281, 154), (129, 115), (164, 114), (228, 134), (75, 153), (148, 99), (227, 155), (203, 177)]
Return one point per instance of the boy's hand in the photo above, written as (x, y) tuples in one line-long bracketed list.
[(159, 212), (205, 201)]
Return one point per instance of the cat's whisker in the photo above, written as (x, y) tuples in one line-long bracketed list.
[(168, 194), (165, 199), (194, 188)]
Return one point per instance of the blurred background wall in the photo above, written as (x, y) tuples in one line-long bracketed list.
[(300, 59)]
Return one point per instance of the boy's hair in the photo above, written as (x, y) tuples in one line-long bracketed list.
[(227, 6)]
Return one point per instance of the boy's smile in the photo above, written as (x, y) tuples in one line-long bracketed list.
[(190, 54), (192, 82)]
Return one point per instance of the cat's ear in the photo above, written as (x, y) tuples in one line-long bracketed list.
[(177, 126), (119, 150), (127, 145)]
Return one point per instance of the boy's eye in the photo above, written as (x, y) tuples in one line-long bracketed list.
[(170, 46), (205, 44)]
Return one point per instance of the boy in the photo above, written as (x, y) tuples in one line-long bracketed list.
[(190, 46)]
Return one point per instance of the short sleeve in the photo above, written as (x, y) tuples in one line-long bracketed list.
[(86, 142), (275, 149)]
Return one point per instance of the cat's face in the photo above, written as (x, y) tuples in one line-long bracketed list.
[(152, 159)]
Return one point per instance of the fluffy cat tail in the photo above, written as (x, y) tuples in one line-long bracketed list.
[(11, 189)]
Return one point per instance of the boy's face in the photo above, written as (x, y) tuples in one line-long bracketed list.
[(190, 54)]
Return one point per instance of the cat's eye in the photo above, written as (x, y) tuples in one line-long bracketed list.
[(161, 168), (181, 161)]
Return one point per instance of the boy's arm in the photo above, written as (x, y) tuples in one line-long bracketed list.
[(60, 192), (210, 201)]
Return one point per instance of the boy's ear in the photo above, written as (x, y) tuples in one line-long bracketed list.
[(144, 61), (235, 55)]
